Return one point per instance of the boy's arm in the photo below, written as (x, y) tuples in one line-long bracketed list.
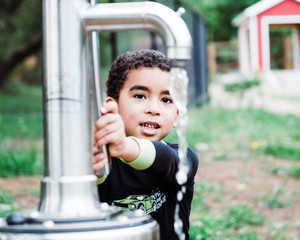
[(161, 159)]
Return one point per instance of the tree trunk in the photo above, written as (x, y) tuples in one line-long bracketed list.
[(16, 58)]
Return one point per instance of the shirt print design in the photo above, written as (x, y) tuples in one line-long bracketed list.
[(145, 203)]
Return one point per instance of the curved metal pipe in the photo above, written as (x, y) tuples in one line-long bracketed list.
[(150, 16)]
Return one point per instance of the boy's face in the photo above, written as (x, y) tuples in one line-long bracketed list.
[(146, 106)]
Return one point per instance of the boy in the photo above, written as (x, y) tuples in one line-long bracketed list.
[(137, 114)]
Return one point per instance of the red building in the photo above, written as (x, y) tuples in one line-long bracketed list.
[(255, 27)]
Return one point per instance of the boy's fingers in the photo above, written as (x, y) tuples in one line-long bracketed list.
[(99, 165), (99, 157), (95, 150), (108, 122), (109, 107)]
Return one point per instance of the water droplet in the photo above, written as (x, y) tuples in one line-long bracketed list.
[(48, 224), (179, 196), (181, 177)]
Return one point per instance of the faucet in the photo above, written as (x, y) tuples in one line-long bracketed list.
[(149, 16), (68, 188)]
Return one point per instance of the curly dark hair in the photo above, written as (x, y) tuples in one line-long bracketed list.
[(129, 61)]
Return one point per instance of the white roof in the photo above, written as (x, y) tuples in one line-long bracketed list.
[(255, 9)]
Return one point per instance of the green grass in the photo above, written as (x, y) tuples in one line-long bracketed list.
[(6, 203), (282, 151), (241, 86), (21, 126), (21, 130), (200, 189), (218, 226), (19, 98), (295, 172), (21, 114), (213, 125), (20, 161), (208, 224), (274, 198), (241, 127)]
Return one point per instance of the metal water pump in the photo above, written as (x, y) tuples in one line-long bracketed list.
[(69, 206)]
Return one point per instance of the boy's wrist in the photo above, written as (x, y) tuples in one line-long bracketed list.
[(146, 154), (131, 150)]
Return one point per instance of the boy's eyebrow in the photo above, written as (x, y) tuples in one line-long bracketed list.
[(144, 88), (139, 87)]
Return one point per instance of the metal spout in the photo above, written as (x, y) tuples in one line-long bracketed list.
[(68, 188), (149, 16)]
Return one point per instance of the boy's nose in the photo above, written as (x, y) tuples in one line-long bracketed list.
[(152, 108)]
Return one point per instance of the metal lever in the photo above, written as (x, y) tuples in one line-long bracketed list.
[(98, 92)]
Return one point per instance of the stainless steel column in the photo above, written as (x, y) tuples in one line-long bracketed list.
[(68, 186)]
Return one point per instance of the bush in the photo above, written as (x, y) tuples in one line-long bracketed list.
[(20, 162)]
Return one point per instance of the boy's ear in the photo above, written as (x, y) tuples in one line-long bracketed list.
[(176, 119), (109, 99)]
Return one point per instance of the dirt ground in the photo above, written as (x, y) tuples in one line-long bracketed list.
[(249, 183), (242, 182)]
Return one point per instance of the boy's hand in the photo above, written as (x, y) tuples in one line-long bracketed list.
[(110, 130)]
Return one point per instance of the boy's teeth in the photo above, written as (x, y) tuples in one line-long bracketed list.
[(149, 126)]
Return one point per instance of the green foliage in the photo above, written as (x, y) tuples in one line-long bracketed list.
[(223, 226), (6, 203), (21, 112), (33, 191), (239, 216), (274, 199), (20, 161), (277, 38), (22, 126), (210, 125), (241, 86), (227, 54), (219, 14), (211, 225), (282, 151), (21, 123), (278, 232), (295, 172), (275, 170), (20, 28), (222, 157), (200, 190)]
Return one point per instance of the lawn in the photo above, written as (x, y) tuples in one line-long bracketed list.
[(248, 181)]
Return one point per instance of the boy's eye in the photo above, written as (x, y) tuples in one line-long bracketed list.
[(139, 96), (167, 100)]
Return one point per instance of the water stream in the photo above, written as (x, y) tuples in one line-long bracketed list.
[(178, 90)]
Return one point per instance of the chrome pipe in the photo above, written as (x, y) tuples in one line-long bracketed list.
[(68, 188), (150, 16)]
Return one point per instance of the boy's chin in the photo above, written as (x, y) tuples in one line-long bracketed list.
[(154, 138)]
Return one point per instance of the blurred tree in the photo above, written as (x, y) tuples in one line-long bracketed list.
[(21, 28), (219, 14), (20, 33)]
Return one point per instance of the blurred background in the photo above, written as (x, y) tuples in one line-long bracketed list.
[(244, 130)]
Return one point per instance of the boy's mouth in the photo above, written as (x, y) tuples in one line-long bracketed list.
[(150, 125)]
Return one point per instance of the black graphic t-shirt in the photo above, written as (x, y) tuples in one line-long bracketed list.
[(154, 189)]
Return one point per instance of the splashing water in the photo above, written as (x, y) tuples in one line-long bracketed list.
[(178, 90)]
